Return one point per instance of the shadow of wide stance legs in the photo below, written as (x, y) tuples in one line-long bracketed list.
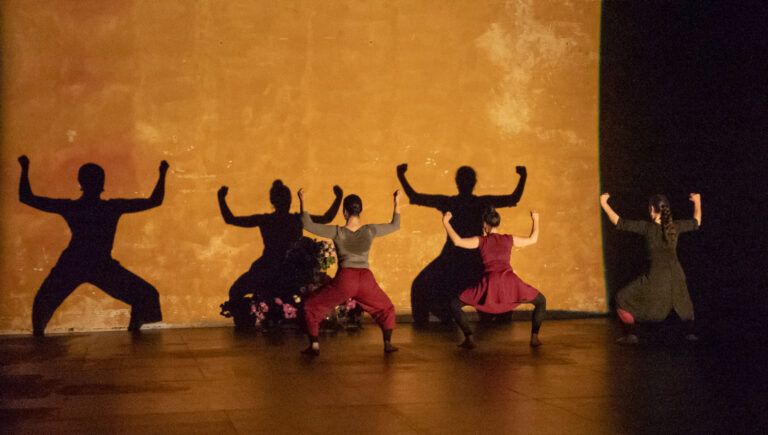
[(111, 277)]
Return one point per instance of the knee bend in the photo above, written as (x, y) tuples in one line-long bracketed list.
[(146, 294), (150, 293), (625, 316), (383, 312)]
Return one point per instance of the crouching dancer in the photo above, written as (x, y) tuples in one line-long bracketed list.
[(354, 278), (500, 290)]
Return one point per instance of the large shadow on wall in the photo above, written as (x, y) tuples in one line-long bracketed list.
[(682, 109), (88, 257), (281, 231), (454, 269)]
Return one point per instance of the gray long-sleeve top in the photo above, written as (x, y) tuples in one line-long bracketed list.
[(352, 247)]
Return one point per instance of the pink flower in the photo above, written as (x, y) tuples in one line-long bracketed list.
[(278, 301), (289, 310), (351, 304), (263, 307)]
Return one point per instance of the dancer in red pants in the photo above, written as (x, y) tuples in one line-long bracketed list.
[(354, 278)]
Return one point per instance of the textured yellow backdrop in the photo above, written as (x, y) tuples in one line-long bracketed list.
[(314, 93)]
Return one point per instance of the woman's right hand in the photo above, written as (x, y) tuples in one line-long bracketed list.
[(398, 194), (604, 198), (694, 197), (301, 194), (534, 215)]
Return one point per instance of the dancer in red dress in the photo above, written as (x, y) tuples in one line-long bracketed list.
[(501, 289)]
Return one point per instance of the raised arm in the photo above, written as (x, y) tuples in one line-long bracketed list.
[(394, 225), (238, 221), (696, 200), (26, 196), (327, 231), (512, 199), (331, 213), (154, 200), (435, 201), (521, 242), (467, 243), (612, 216)]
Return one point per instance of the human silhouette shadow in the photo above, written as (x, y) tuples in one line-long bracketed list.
[(280, 231), (454, 269), (88, 257)]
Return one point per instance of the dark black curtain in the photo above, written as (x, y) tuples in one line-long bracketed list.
[(683, 108)]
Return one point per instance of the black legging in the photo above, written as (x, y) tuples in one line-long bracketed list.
[(539, 304)]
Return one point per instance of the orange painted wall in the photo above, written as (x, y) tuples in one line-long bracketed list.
[(241, 93)]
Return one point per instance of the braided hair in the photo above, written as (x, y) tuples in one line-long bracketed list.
[(660, 203)]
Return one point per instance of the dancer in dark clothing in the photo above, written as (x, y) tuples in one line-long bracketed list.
[(279, 231), (652, 296), (454, 269), (354, 278), (88, 258), (501, 289)]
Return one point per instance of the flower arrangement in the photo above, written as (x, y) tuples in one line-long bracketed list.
[(303, 271), (327, 256)]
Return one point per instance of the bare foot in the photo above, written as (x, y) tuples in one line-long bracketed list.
[(629, 339), (535, 342), (468, 343)]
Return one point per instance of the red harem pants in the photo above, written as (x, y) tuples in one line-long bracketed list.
[(358, 284)]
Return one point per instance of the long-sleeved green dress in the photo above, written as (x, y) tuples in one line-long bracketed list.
[(651, 296)]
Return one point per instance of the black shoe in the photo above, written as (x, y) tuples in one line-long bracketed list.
[(311, 351)]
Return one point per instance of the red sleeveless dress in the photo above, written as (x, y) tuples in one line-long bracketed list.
[(501, 290)]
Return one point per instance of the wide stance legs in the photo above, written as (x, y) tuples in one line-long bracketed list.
[(539, 310), (357, 284), (630, 328)]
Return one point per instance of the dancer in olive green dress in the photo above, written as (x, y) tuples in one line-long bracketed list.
[(653, 295)]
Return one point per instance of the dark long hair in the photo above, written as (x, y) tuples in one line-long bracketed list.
[(660, 203)]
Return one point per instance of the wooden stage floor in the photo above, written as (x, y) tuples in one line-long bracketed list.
[(210, 380)]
